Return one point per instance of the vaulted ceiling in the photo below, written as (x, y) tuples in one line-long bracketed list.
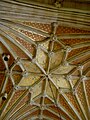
[(44, 60)]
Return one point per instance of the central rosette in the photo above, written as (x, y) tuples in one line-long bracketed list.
[(47, 64)]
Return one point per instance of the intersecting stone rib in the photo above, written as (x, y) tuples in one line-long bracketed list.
[(64, 15), (73, 36), (73, 108), (26, 114), (3, 87), (80, 45), (18, 25), (7, 103), (2, 39), (86, 98), (16, 43), (17, 112), (61, 107), (78, 56), (43, 97), (8, 114), (81, 107), (56, 114)]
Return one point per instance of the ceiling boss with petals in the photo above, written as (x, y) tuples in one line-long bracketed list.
[(44, 60)]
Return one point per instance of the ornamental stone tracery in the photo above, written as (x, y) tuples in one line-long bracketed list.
[(44, 70)]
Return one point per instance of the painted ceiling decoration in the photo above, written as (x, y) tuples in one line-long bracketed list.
[(44, 61)]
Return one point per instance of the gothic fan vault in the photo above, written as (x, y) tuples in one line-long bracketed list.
[(44, 69)]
